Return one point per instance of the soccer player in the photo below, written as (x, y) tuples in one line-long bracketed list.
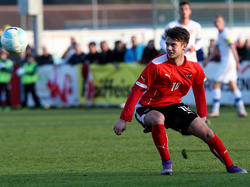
[(227, 71), (156, 97), (194, 29)]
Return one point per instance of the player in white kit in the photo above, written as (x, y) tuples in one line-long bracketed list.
[(194, 29), (227, 72)]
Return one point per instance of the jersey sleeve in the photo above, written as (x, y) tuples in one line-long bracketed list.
[(198, 38), (200, 99), (228, 37), (199, 91), (147, 76), (200, 76), (142, 84)]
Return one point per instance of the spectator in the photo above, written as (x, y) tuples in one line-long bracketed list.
[(119, 51), (149, 52), (28, 52), (45, 58), (70, 50), (241, 48), (29, 78), (211, 47), (93, 57), (247, 47), (134, 54), (6, 67), (106, 55), (78, 57)]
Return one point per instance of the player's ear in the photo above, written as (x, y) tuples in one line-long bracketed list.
[(184, 46)]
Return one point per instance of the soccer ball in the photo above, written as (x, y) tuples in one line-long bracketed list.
[(14, 40)]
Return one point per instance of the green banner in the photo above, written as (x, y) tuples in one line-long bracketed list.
[(113, 83)]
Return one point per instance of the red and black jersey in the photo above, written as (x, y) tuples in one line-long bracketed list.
[(163, 83)]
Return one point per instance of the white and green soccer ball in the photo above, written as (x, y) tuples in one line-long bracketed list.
[(14, 40)]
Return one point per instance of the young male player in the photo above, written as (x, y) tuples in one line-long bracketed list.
[(156, 98), (194, 29), (227, 71)]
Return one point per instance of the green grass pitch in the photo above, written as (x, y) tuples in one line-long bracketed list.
[(77, 147)]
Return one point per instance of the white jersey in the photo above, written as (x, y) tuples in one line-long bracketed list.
[(194, 30), (227, 70)]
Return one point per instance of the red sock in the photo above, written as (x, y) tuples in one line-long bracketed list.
[(161, 140), (219, 150)]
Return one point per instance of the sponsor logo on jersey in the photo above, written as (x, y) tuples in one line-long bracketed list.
[(168, 75), (189, 75)]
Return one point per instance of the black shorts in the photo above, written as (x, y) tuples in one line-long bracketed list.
[(177, 116)]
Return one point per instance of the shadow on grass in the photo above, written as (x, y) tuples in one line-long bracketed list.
[(120, 179), (65, 176)]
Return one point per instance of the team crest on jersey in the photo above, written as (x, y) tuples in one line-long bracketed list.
[(189, 75)]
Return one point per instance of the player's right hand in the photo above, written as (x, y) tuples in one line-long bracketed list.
[(119, 127)]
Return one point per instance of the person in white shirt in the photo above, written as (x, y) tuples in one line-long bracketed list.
[(194, 29), (227, 71)]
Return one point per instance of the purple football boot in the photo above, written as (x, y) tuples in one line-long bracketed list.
[(167, 167), (236, 169)]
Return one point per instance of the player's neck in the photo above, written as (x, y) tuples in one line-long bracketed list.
[(184, 21), (221, 30), (178, 61)]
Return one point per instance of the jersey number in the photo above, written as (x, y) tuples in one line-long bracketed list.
[(175, 86)]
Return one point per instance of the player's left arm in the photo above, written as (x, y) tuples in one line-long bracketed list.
[(199, 92), (228, 39), (200, 99), (236, 56)]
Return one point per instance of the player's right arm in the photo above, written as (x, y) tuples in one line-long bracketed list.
[(141, 85)]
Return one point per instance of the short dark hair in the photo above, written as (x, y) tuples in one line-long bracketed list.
[(92, 44), (178, 33), (184, 3)]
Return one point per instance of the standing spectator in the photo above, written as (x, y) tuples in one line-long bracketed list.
[(211, 48), (78, 57), (93, 57), (227, 71), (119, 51), (193, 28), (29, 78), (241, 48), (45, 58), (6, 67), (149, 52), (247, 47), (28, 52), (134, 54), (70, 50), (106, 55)]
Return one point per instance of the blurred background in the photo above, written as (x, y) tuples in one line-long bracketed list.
[(109, 14)]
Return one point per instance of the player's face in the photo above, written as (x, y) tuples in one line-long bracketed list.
[(175, 48), (219, 23), (185, 11)]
